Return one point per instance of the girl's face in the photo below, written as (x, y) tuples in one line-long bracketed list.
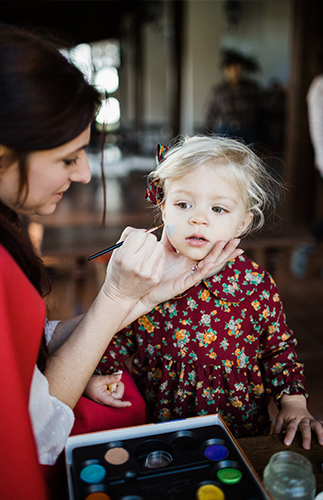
[(202, 208), (50, 174)]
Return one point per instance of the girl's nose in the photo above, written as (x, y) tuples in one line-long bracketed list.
[(81, 173), (199, 217)]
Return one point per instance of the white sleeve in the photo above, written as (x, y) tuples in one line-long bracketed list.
[(315, 117), (52, 420), (49, 329)]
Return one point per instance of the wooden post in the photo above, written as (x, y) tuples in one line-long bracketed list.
[(177, 57), (138, 82)]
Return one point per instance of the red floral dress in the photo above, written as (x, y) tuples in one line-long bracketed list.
[(221, 347)]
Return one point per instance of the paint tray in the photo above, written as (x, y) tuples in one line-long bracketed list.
[(174, 460)]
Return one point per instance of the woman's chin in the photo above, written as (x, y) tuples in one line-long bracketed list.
[(46, 210)]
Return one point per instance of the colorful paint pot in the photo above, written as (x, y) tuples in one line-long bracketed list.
[(229, 475), (209, 492), (216, 452), (93, 474)]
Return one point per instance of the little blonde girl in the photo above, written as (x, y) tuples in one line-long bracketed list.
[(223, 346)]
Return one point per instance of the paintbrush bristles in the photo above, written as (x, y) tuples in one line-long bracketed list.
[(154, 229)]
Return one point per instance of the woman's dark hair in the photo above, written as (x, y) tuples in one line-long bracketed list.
[(44, 99), (45, 102)]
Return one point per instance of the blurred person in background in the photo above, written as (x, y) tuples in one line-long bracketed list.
[(239, 107), (301, 255)]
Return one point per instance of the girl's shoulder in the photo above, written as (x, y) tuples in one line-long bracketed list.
[(244, 262), (250, 271), (241, 278)]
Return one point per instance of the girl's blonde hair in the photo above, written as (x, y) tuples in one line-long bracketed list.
[(240, 165)]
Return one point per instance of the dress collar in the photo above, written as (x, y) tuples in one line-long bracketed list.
[(237, 281)]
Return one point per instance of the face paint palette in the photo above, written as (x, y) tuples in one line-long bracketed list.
[(191, 459)]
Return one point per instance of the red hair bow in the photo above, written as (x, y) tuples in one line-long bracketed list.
[(155, 193)]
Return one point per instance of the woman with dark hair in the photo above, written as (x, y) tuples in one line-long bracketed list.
[(46, 108)]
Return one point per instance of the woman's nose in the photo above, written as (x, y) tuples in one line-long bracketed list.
[(81, 173)]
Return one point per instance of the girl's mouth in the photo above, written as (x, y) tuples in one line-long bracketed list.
[(197, 241)]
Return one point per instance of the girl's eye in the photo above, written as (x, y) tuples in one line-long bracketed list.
[(218, 210), (70, 161), (183, 205)]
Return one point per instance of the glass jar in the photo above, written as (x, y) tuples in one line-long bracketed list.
[(289, 475)]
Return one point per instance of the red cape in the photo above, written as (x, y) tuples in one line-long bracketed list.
[(22, 317)]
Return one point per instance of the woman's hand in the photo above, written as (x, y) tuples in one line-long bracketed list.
[(98, 390), (294, 416), (221, 254), (181, 273), (136, 267)]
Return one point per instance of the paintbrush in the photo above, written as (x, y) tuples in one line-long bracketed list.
[(117, 245)]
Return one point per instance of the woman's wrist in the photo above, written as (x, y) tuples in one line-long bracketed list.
[(84, 347), (139, 309)]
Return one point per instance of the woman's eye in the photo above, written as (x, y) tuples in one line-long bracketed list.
[(70, 161), (218, 210), (183, 205)]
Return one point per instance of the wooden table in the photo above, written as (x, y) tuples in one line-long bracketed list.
[(258, 451)]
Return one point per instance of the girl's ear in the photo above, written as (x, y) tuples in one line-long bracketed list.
[(244, 224)]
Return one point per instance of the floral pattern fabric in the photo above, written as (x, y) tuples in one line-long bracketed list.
[(221, 347)]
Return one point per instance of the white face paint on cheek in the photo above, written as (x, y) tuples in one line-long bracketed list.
[(170, 230)]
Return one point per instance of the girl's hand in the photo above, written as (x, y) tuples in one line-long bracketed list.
[(294, 416), (97, 390), (134, 268), (181, 273)]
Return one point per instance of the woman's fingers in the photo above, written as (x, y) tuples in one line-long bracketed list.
[(216, 259), (144, 254), (125, 233), (221, 253), (136, 266)]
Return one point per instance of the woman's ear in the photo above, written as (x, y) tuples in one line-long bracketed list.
[(4, 153), (4, 150), (244, 224)]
